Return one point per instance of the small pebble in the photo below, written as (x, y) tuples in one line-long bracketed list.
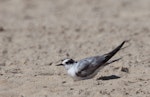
[(67, 54), (63, 82), (125, 69), (50, 63), (2, 29), (71, 88), (1, 74)]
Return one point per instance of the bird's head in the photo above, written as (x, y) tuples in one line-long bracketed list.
[(68, 63)]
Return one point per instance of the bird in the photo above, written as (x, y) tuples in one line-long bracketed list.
[(88, 67)]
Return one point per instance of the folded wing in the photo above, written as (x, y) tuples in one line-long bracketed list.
[(89, 65)]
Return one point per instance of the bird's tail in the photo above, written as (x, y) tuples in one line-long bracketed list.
[(113, 52)]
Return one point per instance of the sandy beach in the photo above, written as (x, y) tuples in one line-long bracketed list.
[(36, 34)]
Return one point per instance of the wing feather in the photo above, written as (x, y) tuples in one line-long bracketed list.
[(88, 66)]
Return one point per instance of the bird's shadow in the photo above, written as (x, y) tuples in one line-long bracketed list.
[(108, 77)]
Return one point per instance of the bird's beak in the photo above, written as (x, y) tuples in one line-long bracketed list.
[(59, 65)]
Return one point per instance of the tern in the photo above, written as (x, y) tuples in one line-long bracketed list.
[(88, 67)]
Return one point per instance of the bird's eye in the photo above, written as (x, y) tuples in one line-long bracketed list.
[(70, 61)]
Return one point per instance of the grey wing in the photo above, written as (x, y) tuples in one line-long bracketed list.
[(88, 66)]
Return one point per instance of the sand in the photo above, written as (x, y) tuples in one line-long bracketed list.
[(36, 34)]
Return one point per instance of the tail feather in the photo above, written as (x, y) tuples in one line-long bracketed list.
[(113, 52)]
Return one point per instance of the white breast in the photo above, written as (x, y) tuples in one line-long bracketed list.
[(71, 71)]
